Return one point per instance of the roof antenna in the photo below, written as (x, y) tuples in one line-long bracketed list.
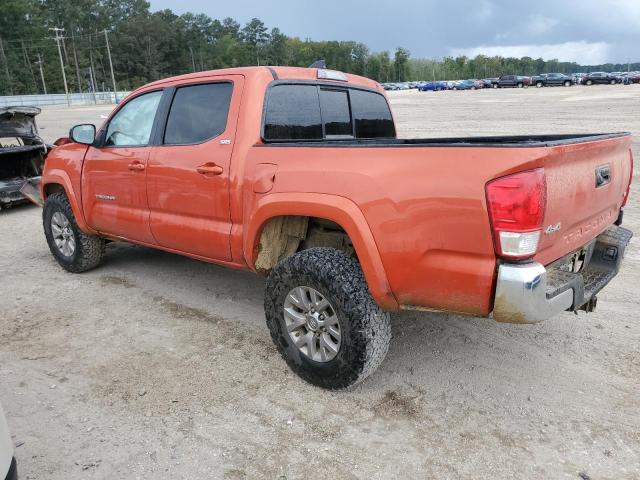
[(320, 63)]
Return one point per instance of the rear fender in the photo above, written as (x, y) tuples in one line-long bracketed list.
[(330, 207)]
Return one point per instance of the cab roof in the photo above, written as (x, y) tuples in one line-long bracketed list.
[(277, 73)]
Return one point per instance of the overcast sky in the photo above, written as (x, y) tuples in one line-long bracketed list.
[(585, 31)]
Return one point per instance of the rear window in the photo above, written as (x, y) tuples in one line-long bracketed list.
[(316, 112), (334, 106), (293, 113), (372, 115), (198, 112)]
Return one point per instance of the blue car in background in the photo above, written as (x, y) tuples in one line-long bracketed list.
[(432, 86)]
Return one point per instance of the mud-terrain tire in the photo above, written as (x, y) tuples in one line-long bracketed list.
[(365, 329), (88, 250)]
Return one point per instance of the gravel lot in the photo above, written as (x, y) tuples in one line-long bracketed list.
[(157, 366)]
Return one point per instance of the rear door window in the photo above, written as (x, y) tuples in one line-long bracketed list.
[(198, 113)]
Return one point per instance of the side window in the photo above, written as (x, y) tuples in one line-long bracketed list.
[(293, 113), (372, 115), (198, 112), (335, 113), (131, 125)]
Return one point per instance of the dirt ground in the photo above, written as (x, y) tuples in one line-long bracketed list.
[(155, 366)]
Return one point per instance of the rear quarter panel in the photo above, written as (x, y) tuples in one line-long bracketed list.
[(425, 207)]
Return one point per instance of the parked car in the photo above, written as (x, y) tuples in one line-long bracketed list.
[(507, 81), (465, 85), (552, 79), (432, 86), (595, 78), (249, 168), (22, 153), (634, 77), (490, 82), (8, 468)]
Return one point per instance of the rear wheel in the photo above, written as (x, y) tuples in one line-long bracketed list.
[(73, 249), (539, 84), (520, 85), (323, 319), (613, 82)]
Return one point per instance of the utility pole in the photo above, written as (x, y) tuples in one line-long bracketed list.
[(113, 79), (64, 75), (6, 68), (44, 85)]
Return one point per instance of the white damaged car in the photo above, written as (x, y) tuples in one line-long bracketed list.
[(8, 470)]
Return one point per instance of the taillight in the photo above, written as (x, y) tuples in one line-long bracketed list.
[(626, 194), (516, 205)]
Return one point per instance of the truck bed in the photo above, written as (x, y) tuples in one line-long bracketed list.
[(509, 141), (425, 201)]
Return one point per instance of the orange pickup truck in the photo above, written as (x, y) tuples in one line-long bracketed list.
[(297, 174)]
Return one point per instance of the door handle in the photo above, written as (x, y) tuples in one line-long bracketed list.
[(209, 168), (136, 166)]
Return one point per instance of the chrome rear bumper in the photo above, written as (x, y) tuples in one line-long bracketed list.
[(529, 293)]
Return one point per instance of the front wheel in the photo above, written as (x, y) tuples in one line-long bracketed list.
[(589, 82), (73, 249), (538, 84), (323, 320), (520, 85), (567, 83), (613, 82), (495, 85)]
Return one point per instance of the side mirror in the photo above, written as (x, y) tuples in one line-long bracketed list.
[(85, 133)]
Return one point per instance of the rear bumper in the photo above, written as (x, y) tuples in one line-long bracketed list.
[(531, 293), (18, 190)]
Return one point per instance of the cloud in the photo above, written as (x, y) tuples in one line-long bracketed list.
[(582, 52), (539, 24), (570, 29)]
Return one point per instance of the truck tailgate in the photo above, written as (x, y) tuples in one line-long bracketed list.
[(586, 186)]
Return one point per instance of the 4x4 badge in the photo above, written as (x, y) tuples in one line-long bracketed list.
[(553, 228)]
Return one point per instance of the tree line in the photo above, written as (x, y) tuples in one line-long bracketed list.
[(147, 46)]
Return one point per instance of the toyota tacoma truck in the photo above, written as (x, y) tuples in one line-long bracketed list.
[(297, 174)]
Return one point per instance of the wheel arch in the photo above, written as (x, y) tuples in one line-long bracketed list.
[(333, 208), (59, 182)]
